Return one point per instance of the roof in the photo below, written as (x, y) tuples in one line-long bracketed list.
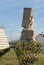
[(42, 35)]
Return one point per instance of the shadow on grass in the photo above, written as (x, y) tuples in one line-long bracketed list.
[(2, 52)]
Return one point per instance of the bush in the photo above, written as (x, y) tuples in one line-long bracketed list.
[(27, 51)]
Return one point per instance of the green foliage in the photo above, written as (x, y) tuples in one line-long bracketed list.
[(27, 51), (10, 58)]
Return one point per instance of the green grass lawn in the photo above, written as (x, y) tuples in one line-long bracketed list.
[(10, 58), (40, 60)]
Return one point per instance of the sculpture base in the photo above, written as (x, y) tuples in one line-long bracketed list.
[(27, 35)]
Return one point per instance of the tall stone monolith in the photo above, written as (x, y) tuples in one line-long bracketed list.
[(27, 24)]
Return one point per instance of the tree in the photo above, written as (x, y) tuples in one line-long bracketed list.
[(27, 51)]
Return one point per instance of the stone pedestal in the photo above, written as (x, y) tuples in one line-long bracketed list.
[(27, 24), (27, 34)]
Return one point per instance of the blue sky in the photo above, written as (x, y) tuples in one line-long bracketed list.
[(11, 14)]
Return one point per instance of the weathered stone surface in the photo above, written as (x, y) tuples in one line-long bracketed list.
[(27, 17), (27, 34), (27, 24)]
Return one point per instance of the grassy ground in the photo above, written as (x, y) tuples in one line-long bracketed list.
[(10, 58), (40, 60)]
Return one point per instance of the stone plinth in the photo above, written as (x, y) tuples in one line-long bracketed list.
[(27, 34)]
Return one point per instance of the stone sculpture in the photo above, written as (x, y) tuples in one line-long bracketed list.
[(27, 24)]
